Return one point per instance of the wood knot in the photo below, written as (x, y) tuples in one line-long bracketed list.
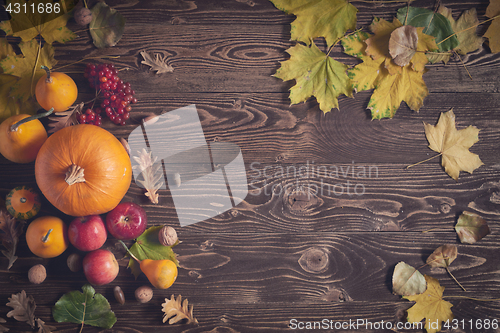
[(300, 199), (207, 246), (445, 208), (336, 296), (314, 260)]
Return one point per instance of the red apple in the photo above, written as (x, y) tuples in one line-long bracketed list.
[(100, 267), (87, 233), (126, 221)]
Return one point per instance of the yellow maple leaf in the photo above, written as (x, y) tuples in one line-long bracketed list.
[(430, 306), (321, 18), (28, 21), (493, 32), (316, 74), (28, 67), (453, 145)]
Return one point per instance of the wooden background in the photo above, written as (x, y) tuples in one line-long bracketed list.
[(283, 255)]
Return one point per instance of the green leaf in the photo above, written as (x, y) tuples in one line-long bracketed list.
[(321, 18), (434, 24), (147, 246), (316, 74), (29, 24), (84, 308), (28, 67), (107, 25)]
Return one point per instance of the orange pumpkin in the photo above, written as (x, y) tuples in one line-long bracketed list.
[(55, 91), (83, 170), (23, 202), (47, 236), (20, 141)]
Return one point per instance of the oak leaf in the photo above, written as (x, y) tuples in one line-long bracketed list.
[(406, 280), (3, 328), (431, 306), (471, 227), (323, 18), (158, 64), (453, 145), (493, 32), (151, 173), (29, 24), (28, 67), (64, 118), (23, 308), (10, 230), (177, 311), (44, 328), (315, 74)]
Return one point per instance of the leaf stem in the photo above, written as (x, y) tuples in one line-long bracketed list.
[(128, 251), (386, 1), (428, 159), (428, 230), (474, 26), (463, 64), (448, 270), (475, 299), (86, 58)]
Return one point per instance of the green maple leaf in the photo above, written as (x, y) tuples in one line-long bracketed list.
[(27, 24), (84, 308), (147, 246), (434, 24), (316, 74), (321, 18), (28, 67)]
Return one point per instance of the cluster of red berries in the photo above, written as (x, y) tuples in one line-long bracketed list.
[(116, 95)]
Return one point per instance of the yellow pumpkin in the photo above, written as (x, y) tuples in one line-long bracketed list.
[(83, 170)]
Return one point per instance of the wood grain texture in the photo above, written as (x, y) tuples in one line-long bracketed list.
[(300, 246)]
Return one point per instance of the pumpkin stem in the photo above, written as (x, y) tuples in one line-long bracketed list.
[(74, 175), (15, 126), (47, 70), (44, 238)]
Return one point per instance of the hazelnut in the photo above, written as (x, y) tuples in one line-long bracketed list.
[(119, 296), (143, 294), (83, 16), (74, 262), (37, 274), (167, 236)]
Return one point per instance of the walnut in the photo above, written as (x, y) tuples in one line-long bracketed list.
[(83, 16), (37, 274), (167, 236), (144, 294)]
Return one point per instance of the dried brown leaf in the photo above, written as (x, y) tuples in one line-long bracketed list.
[(151, 172), (10, 230), (177, 311), (65, 118), (443, 256), (471, 227), (23, 308), (44, 328), (158, 64), (403, 44), (407, 281)]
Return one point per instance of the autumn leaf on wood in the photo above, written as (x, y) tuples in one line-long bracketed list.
[(443, 256), (177, 311), (323, 18), (453, 145), (315, 74), (107, 25), (471, 228), (406, 280), (3, 328), (10, 230), (431, 306), (393, 84), (64, 118), (354, 44), (28, 24), (403, 44), (465, 31), (23, 308), (44, 328), (151, 172), (28, 67), (158, 64), (493, 32)]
